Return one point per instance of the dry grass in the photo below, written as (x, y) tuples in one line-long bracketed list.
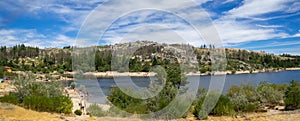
[(269, 116), (10, 112)]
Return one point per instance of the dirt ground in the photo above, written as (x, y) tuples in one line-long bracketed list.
[(271, 115)]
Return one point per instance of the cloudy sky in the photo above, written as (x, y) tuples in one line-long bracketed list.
[(260, 25)]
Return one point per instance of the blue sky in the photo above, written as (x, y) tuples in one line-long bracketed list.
[(261, 25)]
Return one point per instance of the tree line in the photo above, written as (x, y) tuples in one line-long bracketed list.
[(25, 58)]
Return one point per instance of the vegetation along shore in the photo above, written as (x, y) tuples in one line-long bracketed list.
[(31, 79)]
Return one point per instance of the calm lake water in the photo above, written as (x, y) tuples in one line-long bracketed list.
[(98, 89)]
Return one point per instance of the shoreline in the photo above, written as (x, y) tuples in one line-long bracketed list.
[(111, 74), (242, 72)]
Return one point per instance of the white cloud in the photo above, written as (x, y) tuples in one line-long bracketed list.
[(232, 31), (293, 51), (253, 8), (295, 7), (269, 26), (227, 1), (74, 13), (162, 33), (297, 34), (275, 45), (99, 20), (31, 37)]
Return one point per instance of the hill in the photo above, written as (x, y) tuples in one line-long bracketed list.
[(143, 55)]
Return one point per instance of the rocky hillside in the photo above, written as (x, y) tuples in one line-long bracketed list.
[(142, 55)]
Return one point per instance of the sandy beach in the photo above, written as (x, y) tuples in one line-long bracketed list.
[(241, 72), (111, 74)]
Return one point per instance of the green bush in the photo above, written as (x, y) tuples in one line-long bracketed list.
[(292, 96), (250, 107), (223, 107), (201, 93), (95, 110), (61, 104), (250, 92), (39, 96), (203, 69), (244, 98), (197, 109), (11, 98), (124, 101), (78, 112), (269, 96)]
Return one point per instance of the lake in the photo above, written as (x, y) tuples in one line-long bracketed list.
[(98, 89)]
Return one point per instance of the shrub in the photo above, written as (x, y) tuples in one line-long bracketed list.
[(269, 95), (40, 96), (201, 93), (78, 112), (250, 92), (11, 98), (292, 96), (61, 104), (197, 109), (203, 69), (124, 101), (239, 101), (95, 110), (233, 71), (223, 107), (244, 98), (280, 87), (250, 107)]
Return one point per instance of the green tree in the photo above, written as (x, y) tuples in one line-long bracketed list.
[(292, 96)]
